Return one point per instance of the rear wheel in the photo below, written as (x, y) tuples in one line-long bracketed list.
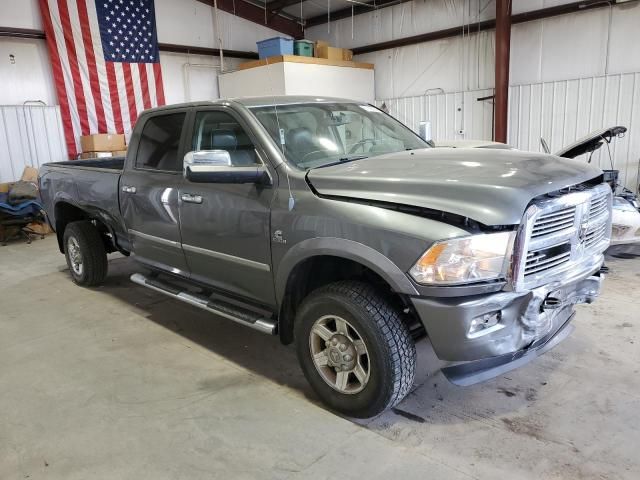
[(354, 349), (85, 253)]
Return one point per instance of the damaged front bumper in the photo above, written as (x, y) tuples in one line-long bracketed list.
[(497, 332)]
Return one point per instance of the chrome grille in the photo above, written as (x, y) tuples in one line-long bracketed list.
[(562, 236), (595, 235), (598, 207), (554, 222), (547, 259)]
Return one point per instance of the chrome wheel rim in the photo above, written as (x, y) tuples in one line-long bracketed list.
[(339, 354), (75, 257)]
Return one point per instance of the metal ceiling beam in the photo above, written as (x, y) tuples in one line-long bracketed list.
[(256, 14), (540, 14), (357, 8), (276, 6), (163, 47)]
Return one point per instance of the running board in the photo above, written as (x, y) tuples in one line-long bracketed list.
[(223, 309)]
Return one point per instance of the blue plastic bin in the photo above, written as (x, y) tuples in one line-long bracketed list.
[(276, 46)]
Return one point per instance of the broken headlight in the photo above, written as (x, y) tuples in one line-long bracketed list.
[(464, 260)]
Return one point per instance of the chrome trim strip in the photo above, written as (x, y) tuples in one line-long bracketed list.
[(229, 258), (153, 238)]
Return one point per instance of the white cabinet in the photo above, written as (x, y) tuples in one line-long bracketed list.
[(291, 75)]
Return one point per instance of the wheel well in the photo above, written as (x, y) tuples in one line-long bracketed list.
[(66, 213), (317, 271)]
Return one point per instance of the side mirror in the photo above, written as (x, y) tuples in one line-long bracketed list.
[(214, 166), (424, 130)]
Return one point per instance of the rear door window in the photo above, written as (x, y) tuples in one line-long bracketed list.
[(160, 143)]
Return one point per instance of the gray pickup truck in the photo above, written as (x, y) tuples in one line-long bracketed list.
[(332, 225)]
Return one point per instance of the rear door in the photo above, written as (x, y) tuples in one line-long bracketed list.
[(225, 227), (149, 190)]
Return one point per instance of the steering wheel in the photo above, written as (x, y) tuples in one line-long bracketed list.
[(362, 143)]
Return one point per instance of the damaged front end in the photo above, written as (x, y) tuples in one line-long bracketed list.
[(556, 264)]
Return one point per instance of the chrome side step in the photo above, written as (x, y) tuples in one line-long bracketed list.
[(218, 307)]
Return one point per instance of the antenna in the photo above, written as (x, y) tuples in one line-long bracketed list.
[(281, 136)]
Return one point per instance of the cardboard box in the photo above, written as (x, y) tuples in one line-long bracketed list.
[(29, 174), (347, 55), (40, 228), (330, 53), (115, 153), (102, 142)]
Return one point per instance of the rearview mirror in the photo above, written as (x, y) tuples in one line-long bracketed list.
[(214, 166)]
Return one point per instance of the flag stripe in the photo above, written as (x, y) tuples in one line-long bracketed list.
[(66, 75), (91, 66), (115, 99), (59, 82), (137, 88), (81, 105), (83, 73), (106, 94), (124, 100), (159, 88), (131, 99), (152, 85), (144, 85)]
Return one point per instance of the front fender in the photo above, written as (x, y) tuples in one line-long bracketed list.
[(343, 248)]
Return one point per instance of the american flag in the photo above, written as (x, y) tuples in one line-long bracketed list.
[(105, 64)]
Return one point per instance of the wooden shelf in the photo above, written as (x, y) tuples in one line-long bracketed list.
[(307, 60)]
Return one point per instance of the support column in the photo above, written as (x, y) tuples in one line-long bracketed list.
[(503, 47)]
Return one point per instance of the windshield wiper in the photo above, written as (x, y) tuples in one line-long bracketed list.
[(344, 160)]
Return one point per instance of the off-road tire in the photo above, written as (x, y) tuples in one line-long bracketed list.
[(92, 250), (391, 349)]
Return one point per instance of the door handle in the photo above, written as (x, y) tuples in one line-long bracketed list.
[(190, 198), (128, 189)]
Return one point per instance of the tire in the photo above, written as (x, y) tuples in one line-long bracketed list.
[(390, 358), (85, 253)]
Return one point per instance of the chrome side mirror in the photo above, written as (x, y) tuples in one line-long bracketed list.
[(424, 130), (214, 166)]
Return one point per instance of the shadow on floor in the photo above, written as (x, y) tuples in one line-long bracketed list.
[(266, 356)]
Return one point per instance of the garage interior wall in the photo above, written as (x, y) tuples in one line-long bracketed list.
[(26, 76), (441, 81)]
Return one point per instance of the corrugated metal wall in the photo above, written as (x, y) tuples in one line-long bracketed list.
[(29, 136), (453, 116), (561, 112)]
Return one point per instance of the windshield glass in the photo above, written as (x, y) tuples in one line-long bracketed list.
[(313, 135)]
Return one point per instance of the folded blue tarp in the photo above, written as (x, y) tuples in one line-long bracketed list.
[(23, 209)]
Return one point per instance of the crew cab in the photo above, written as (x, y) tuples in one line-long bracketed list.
[(329, 223)]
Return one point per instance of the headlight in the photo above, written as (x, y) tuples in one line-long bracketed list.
[(463, 260)]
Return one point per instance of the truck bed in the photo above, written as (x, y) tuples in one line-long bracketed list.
[(90, 185)]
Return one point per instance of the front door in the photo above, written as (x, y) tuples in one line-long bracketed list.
[(149, 192), (225, 227)]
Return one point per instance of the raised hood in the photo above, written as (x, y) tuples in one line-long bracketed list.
[(492, 187), (591, 142)]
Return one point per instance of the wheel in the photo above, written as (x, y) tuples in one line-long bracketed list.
[(85, 253), (354, 349)]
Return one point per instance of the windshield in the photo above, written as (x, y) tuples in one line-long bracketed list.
[(313, 135)]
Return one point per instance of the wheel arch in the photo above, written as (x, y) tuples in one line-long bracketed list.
[(332, 259)]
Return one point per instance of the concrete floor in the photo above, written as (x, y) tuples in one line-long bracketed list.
[(120, 382)]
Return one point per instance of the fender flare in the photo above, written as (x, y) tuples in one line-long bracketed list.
[(342, 248)]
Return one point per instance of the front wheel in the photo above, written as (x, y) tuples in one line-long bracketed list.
[(354, 349), (85, 253)]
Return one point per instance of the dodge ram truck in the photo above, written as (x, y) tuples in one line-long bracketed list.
[(332, 225)]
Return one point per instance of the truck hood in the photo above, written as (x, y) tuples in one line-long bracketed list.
[(591, 142), (492, 187)]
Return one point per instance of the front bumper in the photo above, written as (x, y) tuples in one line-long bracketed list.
[(524, 318)]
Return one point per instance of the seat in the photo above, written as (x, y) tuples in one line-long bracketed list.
[(300, 142)]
